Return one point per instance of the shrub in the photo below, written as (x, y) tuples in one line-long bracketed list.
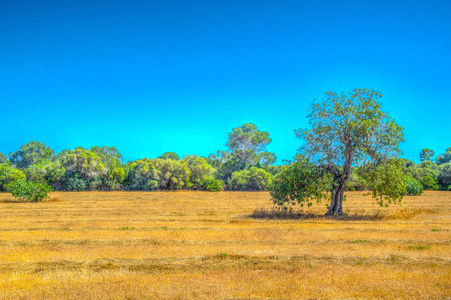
[(29, 190), (255, 179), (413, 186), (212, 185)]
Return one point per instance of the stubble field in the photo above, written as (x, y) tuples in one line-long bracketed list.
[(203, 245)]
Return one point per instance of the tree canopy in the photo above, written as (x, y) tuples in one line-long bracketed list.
[(348, 129), (247, 143), (31, 153)]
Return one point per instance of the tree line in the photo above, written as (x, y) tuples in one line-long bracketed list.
[(246, 165), (351, 145)]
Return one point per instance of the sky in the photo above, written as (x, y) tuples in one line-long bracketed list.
[(149, 77)]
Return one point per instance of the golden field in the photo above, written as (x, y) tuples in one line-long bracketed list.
[(204, 245)]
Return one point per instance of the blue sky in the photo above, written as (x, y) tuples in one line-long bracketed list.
[(154, 76)]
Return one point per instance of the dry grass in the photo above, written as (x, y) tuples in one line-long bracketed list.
[(200, 245)]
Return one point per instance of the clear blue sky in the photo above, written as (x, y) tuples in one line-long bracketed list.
[(154, 76)]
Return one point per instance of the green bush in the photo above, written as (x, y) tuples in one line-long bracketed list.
[(413, 186), (212, 185), (29, 190), (255, 179)]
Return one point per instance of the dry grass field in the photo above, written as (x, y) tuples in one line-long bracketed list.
[(202, 245)]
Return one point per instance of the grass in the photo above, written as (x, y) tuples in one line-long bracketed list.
[(225, 245)]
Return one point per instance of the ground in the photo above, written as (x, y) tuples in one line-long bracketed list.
[(204, 245)]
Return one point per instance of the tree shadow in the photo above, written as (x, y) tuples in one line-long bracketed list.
[(280, 214)]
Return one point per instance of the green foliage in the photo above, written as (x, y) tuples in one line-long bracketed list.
[(3, 159), (254, 179), (267, 158), (444, 158), (259, 179), (387, 182), (31, 153), (29, 190), (350, 123), (301, 183), (426, 172), (247, 147), (225, 164), (8, 175), (169, 155), (444, 178), (74, 183), (413, 186), (357, 181), (212, 185), (46, 171), (200, 170), (83, 164), (426, 154), (142, 175), (430, 183), (171, 174), (274, 170), (112, 159)]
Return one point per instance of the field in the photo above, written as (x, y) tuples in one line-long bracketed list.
[(202, 245)]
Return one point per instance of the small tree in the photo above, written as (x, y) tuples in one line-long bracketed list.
[(29, 190), (348, 129)]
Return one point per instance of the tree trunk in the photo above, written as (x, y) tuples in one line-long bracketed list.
[(336, 203)]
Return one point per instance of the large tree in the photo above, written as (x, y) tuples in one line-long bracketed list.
[(346, 130), (31, 153), (246, 143)]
